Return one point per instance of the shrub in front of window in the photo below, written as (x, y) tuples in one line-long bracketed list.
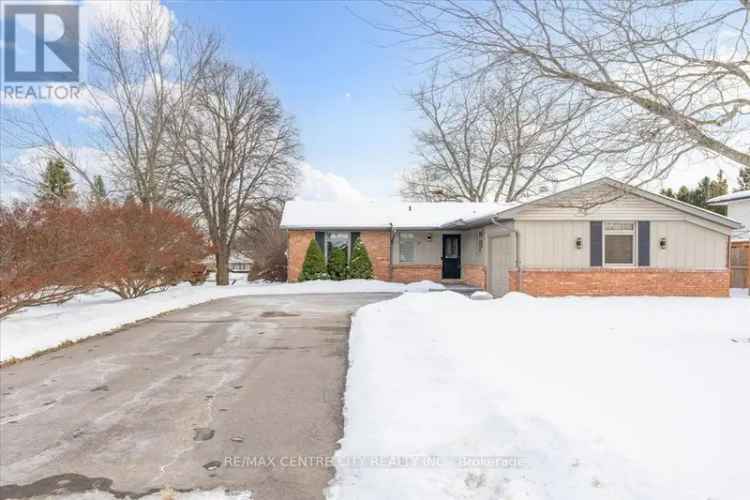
[(361, 265), (337, 267), (314, 267)]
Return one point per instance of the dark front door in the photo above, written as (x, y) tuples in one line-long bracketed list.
[(451, 256)]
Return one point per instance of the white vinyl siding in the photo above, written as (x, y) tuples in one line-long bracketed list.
[(627, 207), (552, 244), (740, 211), (472, 242), (689, 246)]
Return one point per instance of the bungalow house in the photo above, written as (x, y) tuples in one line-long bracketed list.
[(599, 238)]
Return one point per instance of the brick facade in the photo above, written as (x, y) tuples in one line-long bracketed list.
[(611, 281), (297, 243), (410, 273), (378, 244), (475, 275)]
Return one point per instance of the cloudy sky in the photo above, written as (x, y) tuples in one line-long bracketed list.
[(342, 79)]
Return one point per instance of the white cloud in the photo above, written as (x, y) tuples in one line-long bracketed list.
[(96, 14), (316, 185)]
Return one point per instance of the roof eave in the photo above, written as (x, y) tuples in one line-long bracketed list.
[(723, 203), (295, 227), (656, 198)]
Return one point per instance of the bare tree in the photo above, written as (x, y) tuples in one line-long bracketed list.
[(28, 131), (265, 243), (496, 137), (142, 68), (676, 72), (235, 151)]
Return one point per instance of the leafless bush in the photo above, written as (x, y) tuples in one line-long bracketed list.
[(262, 240)]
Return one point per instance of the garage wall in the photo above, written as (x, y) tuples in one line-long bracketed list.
[(472, 247)]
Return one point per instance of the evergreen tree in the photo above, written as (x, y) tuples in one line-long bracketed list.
[(744, 179), (707, 188), (99, 191), (668, 192), (314, 267), (361, 265), (337, 266), (683, 194), (719, 186), (57, 185)]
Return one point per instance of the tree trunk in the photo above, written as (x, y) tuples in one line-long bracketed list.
[(222, 267)]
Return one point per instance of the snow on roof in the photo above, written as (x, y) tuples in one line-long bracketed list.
[(334, 215), (724, 199)]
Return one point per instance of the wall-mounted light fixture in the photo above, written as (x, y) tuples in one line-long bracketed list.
[(429, 236), (579, 243), (663, 243)]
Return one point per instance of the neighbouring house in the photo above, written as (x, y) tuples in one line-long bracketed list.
[(238, 263), (599, 238), (738, 208)]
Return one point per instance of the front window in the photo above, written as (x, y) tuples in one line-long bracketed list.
[(337, 240), (619, 243), (407, 247)]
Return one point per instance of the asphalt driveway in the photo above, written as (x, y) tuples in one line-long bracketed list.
[(213, 396)]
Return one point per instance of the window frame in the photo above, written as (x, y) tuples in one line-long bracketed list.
[(620, 232), (326, 241), (413, 240)]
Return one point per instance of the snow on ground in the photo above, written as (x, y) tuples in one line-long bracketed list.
[(215, 494), (39, 328), (582, 398)]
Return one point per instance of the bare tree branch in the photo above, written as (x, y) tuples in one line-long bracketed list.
[(681, 70)]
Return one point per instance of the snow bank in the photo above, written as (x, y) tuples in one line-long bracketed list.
[(583, 398), (43, 327)]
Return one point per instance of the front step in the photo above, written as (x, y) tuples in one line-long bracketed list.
[(458, 286)]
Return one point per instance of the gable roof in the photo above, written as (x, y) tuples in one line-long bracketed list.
[(625, 189), (730, 198), (455, 215), (380, 215)]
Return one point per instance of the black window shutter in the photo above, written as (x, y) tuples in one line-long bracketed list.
[(354, 237), (596, 243), (320, 238), (644, 243)]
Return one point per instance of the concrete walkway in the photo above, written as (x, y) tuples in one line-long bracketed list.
[(213, 396)]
